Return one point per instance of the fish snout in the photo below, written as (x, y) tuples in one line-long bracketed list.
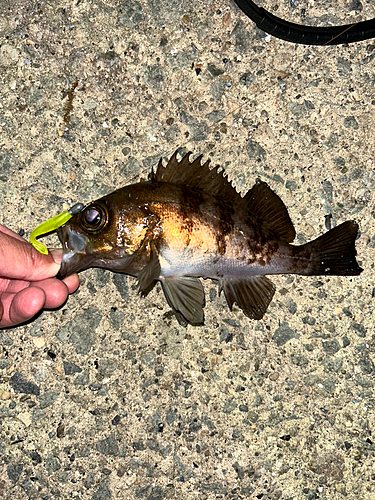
[(74, 251)]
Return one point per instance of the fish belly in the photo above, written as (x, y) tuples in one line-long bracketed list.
[(239, 259)]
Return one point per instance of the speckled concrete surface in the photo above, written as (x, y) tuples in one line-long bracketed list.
[(109, 397)]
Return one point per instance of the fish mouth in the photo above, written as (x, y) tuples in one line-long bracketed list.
[(74, 258)]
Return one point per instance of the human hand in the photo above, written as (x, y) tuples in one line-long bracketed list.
[(27, 282)]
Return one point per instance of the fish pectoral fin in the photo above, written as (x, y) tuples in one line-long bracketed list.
[(252, 295), (148, 274), (185, 296)]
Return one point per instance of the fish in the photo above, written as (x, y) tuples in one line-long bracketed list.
[(186, 222)]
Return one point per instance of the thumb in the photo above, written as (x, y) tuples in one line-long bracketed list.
[(19, 260)]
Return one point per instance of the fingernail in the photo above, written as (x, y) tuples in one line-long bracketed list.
[(56, 254)]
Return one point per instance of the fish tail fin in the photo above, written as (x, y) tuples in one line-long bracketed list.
[(334, 252)]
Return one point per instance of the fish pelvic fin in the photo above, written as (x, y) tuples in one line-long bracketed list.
[(334, 252), (252, 294), (261, 202), (185, 295)]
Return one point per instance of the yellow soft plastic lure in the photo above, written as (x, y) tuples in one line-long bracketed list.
[(51, 225)]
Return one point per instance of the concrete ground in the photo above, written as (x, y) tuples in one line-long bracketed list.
[(108, 397)]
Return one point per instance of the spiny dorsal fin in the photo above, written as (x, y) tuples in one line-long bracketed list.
[(197, 176), (259, 201), (268, 208)]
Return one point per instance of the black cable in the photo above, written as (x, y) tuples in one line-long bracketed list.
[(308, 35)]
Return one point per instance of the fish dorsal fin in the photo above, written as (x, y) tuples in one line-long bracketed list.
[(268, 208), (259, 201), (197, 176)]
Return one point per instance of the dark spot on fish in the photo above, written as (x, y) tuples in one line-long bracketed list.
[(145, 209), (190, 202), (270, 248), (261, 253), (226, 223), (189, 208), (251, 251), (188, 228), (220, 243)]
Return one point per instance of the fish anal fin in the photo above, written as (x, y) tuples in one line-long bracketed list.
[(185, 295), (269, 209), (196, 175), (252, 294), (148, 274)]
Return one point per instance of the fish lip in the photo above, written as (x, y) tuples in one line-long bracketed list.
[(61, 233), (73, 245)]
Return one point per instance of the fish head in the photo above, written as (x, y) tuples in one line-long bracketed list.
[(104, 234)]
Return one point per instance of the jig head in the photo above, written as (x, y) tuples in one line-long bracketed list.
[(51, 225)]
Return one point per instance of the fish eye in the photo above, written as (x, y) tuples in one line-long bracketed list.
[(94, 218)]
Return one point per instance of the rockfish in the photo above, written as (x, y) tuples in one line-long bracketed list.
[(188, 222)]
